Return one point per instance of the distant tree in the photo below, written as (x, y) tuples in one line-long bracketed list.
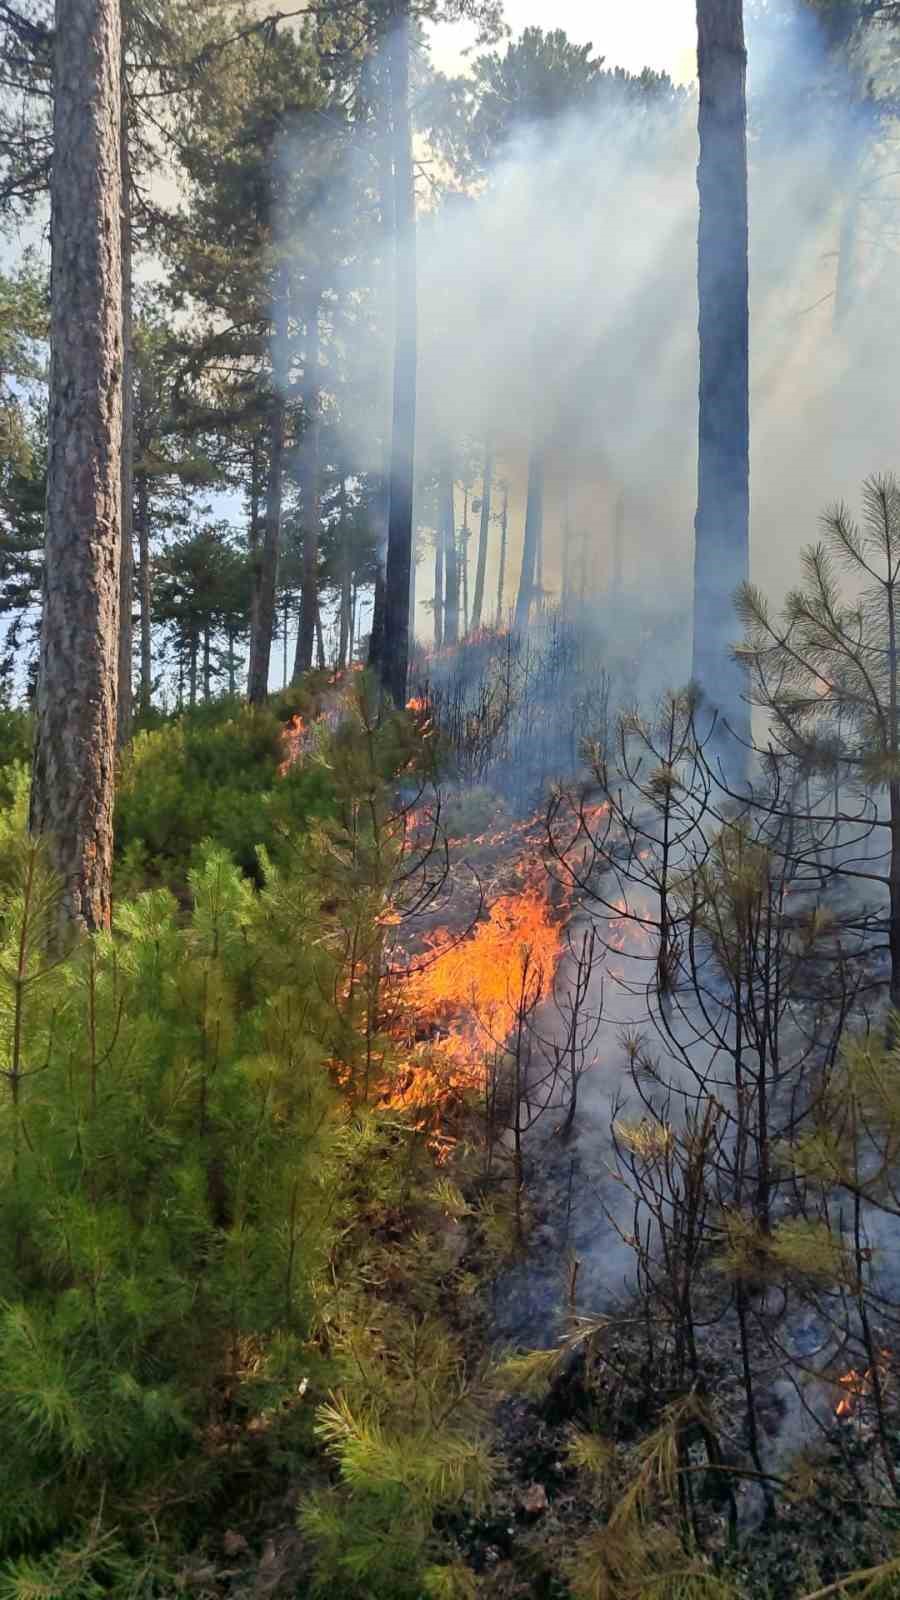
[(394, 651), (484, 524), (202, 595), (74, 759), (721, 560)]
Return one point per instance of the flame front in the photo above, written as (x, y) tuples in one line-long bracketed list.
[(475, 989)]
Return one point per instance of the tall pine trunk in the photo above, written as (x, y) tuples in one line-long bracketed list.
[(484, 528), (266, 574), (126, 559), (464, 560), (375, 98), (534, 521), (394, 657), (142, 521), (346, 614), (566, 583), (73, 779), (309, 578), (451, 565), (253, 538), (722, 527), (504, 540), (438, 570)]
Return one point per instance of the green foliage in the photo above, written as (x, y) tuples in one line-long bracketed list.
[(210, 774), (170, 1192)]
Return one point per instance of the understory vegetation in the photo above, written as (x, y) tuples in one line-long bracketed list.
[(274, 1144)]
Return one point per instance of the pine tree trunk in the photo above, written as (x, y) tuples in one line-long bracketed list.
[(484, 528), (309, 579), (464, 561), (504, 539), (394, 660), (451, 565), (73, 780), (346, 622), (126, 560), (142, 518), (267, 569), (253, 539), (534, 519), (320, 642), (207, 665), (192, 670), (566, 585), (439, 579), (722, 549), (375, 98)]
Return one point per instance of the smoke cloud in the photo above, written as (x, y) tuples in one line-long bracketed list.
[(559, 308)]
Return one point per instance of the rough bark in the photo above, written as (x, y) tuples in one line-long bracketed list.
[(451, 565), (375, 95), (142, 528), (309, 575), (266, 573), (73, 780), (394, 661), (126, 560), (534, 520), (722, 548), (253, 539)]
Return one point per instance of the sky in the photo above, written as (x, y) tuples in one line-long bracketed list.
[(653, 33)]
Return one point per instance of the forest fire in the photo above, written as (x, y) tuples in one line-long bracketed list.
[(292, 739), (475, 990), (857, 1385)]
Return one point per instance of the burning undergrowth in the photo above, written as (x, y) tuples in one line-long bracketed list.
[(622, 1005)]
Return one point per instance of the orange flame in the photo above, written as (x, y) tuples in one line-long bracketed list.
[(292, 737), (857, 1385), (478, 985)]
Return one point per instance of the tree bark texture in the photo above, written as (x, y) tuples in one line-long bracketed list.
[(722, 526), (534, 521), (309, 575), (142, 518), (126, 567), (395, 647), (375, 100), (73, 779)]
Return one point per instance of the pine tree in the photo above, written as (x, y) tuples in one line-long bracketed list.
[(721, 560), (74, 761)]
